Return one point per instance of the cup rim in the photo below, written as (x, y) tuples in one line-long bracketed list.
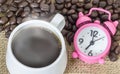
[(9, 47)]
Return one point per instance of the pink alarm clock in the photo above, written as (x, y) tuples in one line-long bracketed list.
[(92, 41)]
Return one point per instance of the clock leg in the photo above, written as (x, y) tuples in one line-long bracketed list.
[(101, 61), (74, 55)]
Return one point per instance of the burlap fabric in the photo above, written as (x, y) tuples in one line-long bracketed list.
[(73, 67)]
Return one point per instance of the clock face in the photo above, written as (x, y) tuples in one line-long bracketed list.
[(92, 41)]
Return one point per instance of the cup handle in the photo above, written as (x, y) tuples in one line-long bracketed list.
[(58, 21)]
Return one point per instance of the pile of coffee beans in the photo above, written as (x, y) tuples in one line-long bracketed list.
[(14, 12), (71, 8)]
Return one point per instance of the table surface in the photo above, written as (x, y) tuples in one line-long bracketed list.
[(74, 66)]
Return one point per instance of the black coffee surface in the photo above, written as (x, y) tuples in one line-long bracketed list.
[(36, 47)]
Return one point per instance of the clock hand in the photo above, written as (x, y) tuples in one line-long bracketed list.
[(91, 43), (98, 39)]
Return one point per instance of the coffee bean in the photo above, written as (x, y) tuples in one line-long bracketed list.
[(35, 15), (42, 14), (64, 11), (66, 25), (17, 1), (3, 20), (74, 16), (39, 1), (33, 5), (25, 14), (12, 20), (44, 7), (117, 38), (12, 8), (113, 57), (101, 13), (34, 10), (87, 1), (115, 5), (59, 1), (86, 12), (102, 4), (115, 17), (7, 34), (12, 27), (88, 6), (52, 8), (104, 17), (110, 2), (23, 4), (80, 10), (118, 24), (74, 7), (19, 12), (117, 50), (80, 4), (7, 28), (72, 11), (30, 1), (67, 0), (9, 2), (70, 20), (117, 10), (68, 5), (111, 11), (114, 45), (4, 8), (94, 14), (68, 38), (74, 1), (19, 20), (59, 7), (74, 29), (2, 1), (95, 2), (108, 7), (9, 14), (27, 9), (117, 2), (64, 32), (1, 28)]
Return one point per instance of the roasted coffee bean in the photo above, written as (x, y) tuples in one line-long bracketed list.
[(108, 7), (2, 1), (72, 11), (66, 25), (59, 1), (74, 1), (7, 28), (114, 45), (117, 38), (111, 11), (110, 2), (80, 4), (25, 14), (115, 17), (112, 56), (18, 1), (9, 2), (30, 1), (3, 20), (117, 2), (12, 8), (64, 11), (12, 27), (70, 20), (74, 7), (64, 32), (19, 20), (35, 15), (95, 2), (9, 14), (74, 16), (74, 29), (52, 8), (67, 0), (27, 9), (34, 10), (86, 12), (87, 1), (23, 4), (80, 10), (7, 34), (12, 20), (1, 28), (102, 4), (59, 7), (68, 38), (101, 13), (115, 5), (44, 7), (94, 14), (39, 1), (117, 10), (68, 5), (117, 50), (33, 5), (42, 14), (88, 6), (104, 17), (4, 8), (19, 12)]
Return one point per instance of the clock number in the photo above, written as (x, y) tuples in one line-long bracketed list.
[(90, 53), (94, 33), (81, 41)]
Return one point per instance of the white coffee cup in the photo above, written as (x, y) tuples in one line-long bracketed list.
[(57, 67)]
